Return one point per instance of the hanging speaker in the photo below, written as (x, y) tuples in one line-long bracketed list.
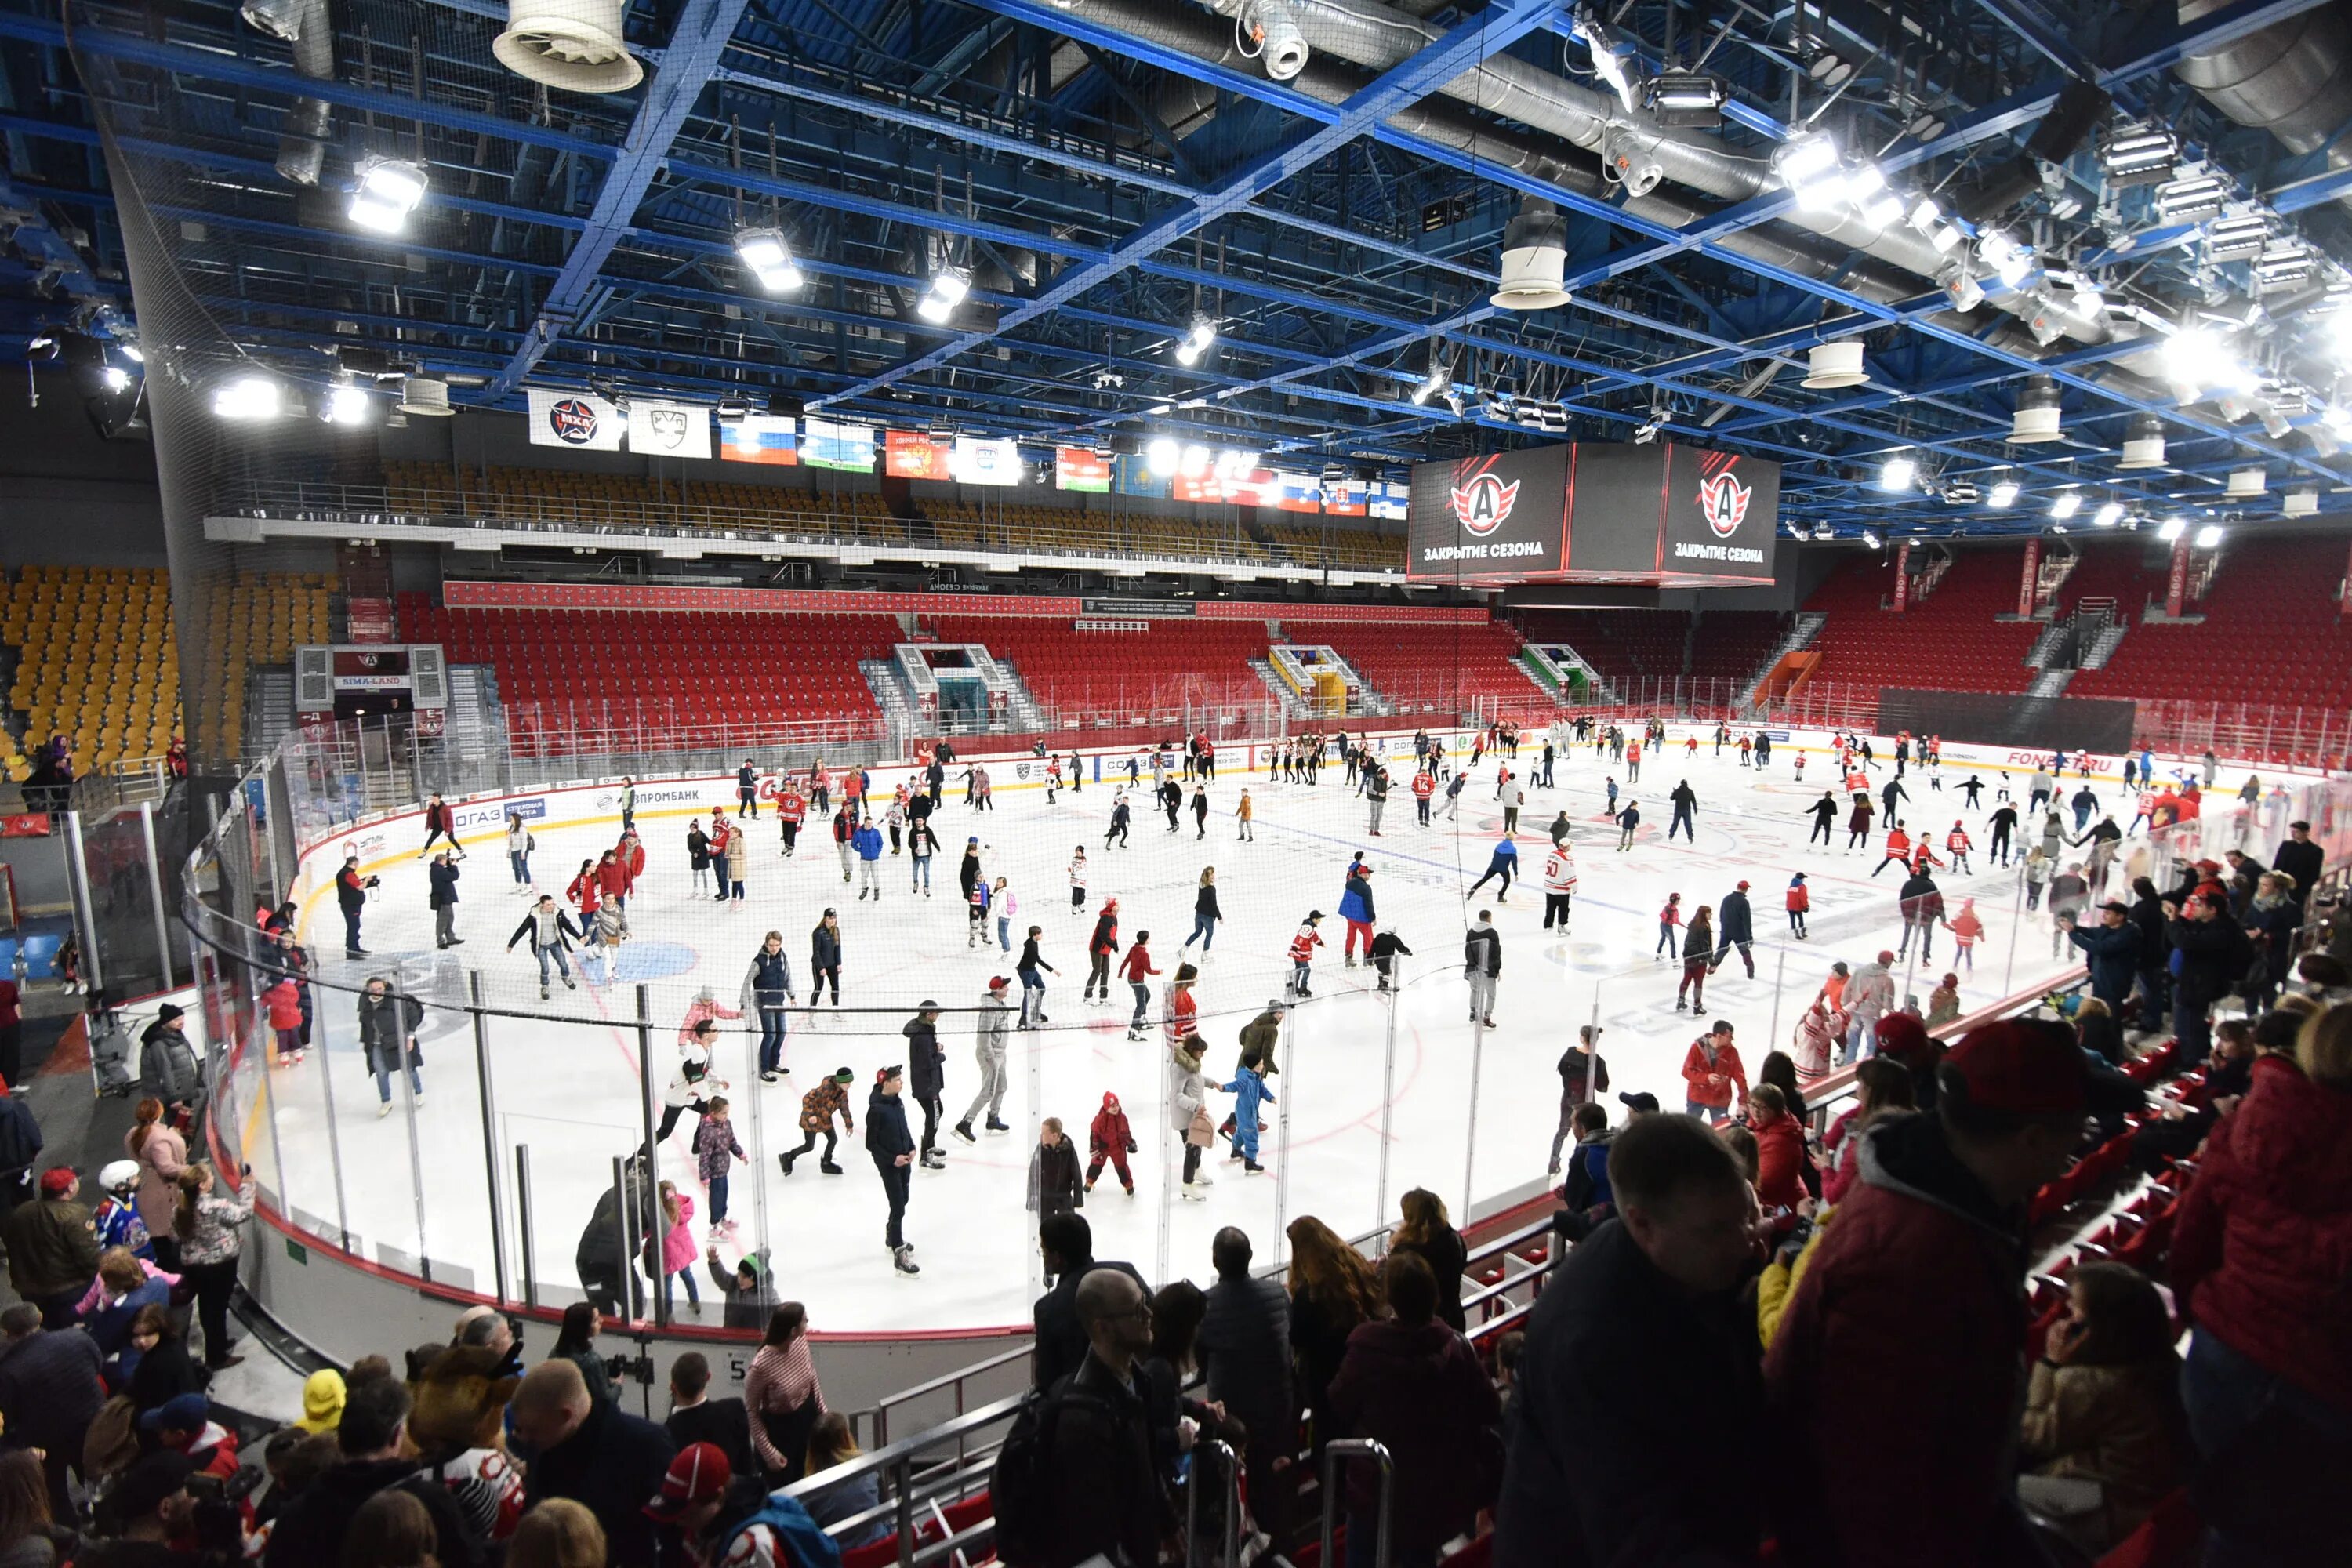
[(572, 44), (2068, 124)]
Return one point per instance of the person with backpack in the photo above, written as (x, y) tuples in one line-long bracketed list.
[(1075, 1479), (725, 1519)]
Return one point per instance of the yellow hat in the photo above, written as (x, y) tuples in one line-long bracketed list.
[(322, 1401)]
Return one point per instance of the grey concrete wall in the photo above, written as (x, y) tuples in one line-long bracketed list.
[(68, 496)]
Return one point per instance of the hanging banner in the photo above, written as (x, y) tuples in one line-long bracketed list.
[(1197, 487), (1131, 475), (769, 438), (827, 445), (1298, 492), (984, 460), (580, 420), (1352, 497), (1252, 486), (2176, 583), (1079, 468), (912, 455), (1903, 578), (1390, 501), (669, 429), (2029, 582)]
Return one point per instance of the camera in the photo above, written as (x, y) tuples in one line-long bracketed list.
[(630, 1369)]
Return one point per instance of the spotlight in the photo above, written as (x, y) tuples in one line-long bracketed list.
[(1870, 539), (2002, 494), (949, 286), (42, 346), (2191, 198), (1162, 455), (1926, 216), (2066, 504), (2108, 515), (1196, 342), (1613, 60), (132, 353), (2209, 537), (2089, 303), (247, 397), (346, 406), (114, 378), (1810, 166), (1866, 188), (2282, 266), (1897, 472), (770, 257), (1686, 99), (2190, 355), (2173, 529), (387, 192), (2138, 158), (1959, 492), (1194, 461), (1435, 383), (2234, 238), (2010, 260)]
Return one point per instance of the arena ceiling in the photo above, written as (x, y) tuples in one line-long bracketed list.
[(1274, 225)]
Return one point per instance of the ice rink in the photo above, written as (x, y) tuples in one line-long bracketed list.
[(569, 1089)]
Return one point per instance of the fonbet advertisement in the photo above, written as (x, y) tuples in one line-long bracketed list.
[(1500, 515)]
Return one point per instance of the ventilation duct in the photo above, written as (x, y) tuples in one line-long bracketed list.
[(576, 45), (425, 395), (2037, 413), (1836, 364), (2293, 78), (2143, 443), (1535, 258), (308, 28), (2246, 483), (2303, 501)]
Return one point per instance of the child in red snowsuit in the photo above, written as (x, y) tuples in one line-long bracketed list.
[(1108, 1138)]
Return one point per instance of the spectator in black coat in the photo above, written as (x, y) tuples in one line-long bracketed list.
[(594, 1453), (1244, 1351), (2214, 954), (1426, 1232), (49, 1393), (695, 1417), (2155, 980), (1068, 1244), (312, 1531), (1639, 1373), (1107, 1497), (2300, 858), (2112, 948)]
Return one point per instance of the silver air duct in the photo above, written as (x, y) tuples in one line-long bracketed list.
[(2293, 78), (309, 29)]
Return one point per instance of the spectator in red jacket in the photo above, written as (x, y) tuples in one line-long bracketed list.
[(1713, 1076), (2260, 1260), (1905, 1341), (1779, 1149)]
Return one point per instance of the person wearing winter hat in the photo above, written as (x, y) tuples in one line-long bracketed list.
[(52, 1248), (1302, 953), (723, 1517), (1108, 1137), (1799, 900), (818, 1108), (1928, 1249), (988, 1050), (322, 1401)]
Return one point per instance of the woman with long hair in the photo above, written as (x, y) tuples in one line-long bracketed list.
[(28, 1537), (1424, 1230), (781, 1392), (205, 1227), (1698, 949), (1332, 1292), (161, 1154), (831, 1442), (674, 1247), (575, 1342), (163, 1369), (1885, 1090)]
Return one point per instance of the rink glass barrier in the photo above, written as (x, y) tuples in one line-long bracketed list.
[(487, 1193)]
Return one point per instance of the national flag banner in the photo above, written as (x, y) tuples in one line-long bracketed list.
[(1298, 492), (770, 438), (1198, 487), (1254, 487), (826, 444), (663, 429), (913, 455), (1348, 498), (1131, 475), (984, 460), (1390, 501), (579, 420), (1080, 469)]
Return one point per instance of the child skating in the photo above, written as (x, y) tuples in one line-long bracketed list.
[(1108, 1137), (1250, 1092)]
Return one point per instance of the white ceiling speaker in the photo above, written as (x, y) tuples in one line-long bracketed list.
[(2143, 443), (572, 44), (425, 395), (2037, 413), (2302, 503), (1535, 259), (1837, 365), (2246, 483)]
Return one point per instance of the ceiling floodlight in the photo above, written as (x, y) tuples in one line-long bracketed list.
[(2066, 504), (2209, 537), (769, 256), (1196, 342), (1897, 472), (2108, 515), (2002, 494), (247, 397), (387, 191), (949, 287)]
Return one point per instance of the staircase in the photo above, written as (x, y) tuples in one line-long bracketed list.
[(1805, 627), (474, 725), (2051, 682), (1026, 713), (889, 694), (1293, 705), (2103, 644), (269, 707)]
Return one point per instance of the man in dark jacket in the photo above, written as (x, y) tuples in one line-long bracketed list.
[(1735, 926), (592, 1452), (52, 1248), (927, 1077), (892, 1150), (49, 1393), (1922, 903), (696, 1417), (1243, 1346), (443, 900), (2214, 954), (168, 1067), (2112, 948), (2300, 858), (1106, 1496), (1641, 1335), (312, 1528), (20, 1147), (1927, 1250), (2148, 919), (1067, 1243), (1685, 804), (350, 897)]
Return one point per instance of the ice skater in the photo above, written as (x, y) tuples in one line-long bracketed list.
[(1559, 884), (767, 989), (792, 810), (867, 841), (697, 855), (1698, 949), (1898, 848), (747, 790), (1355, 909), (976, 897), (1957, 844), (1205, 913), (1079, 880), (1669, 919), (921, 845), (1099, 947), (690, 1081), (1119, 816), (825, 958), (1503, 862), (1200, 811), (1385, 948), (714, 1144), (1246, 814), (927, 1069), (551, 932), (1481, 964), (1108, 1137), (1302, 953), (1825, 814), (1735, 926), (818, 1108), (987, 1051), (519, 843), (1135, 969), (443, 875), (892, 1149), (1800, 900), (437, 824), (1250, 1092), (1628, 821), (1685, 804)]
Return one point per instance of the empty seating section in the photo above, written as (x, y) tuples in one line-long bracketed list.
[(1622, 647), (1731, 645), (1358, 548), (1950, 642), (1423, 667), (2274, 633), (261, 620), (96, 661), (2122, 571), (1122, 677), (583, 680)]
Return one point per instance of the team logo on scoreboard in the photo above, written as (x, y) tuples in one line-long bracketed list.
[(572, 421), (1722, 497), (1484, 503)]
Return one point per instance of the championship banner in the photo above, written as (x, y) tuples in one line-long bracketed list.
[(669, 429), (827, 445), (579, 420), (1080, 469), (769, 438), (1903, 577), (986, 460), (912, 455)]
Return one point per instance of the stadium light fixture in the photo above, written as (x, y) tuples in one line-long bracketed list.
[(1686, 99), (1813, 169), (114, 378), (2138, 158), (2108, 515), (770, 257), (1612, 60), (2209, 537), (1435, 383), (1193, 461), (2066, 504), (2173, 529), (387, 191), (2234, 238), (950, 286), (1897, 472), (1196, 342), (2002, 494), (2189, 198), (2011, 261), (1870, 539), (347, 405), (1162, 456), (247, 397)]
